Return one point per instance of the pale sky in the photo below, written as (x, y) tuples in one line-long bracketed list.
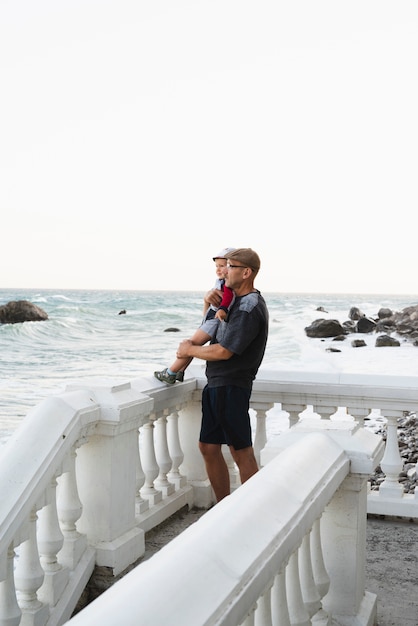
[(139, 137)]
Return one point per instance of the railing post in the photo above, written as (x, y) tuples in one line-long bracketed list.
[(193, 466), (106, 477)]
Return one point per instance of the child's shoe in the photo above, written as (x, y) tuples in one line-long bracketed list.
[(165, 377)]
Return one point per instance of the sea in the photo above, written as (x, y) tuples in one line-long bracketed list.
[(93, 335)]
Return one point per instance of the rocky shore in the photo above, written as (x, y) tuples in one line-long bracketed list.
[(402, 324)]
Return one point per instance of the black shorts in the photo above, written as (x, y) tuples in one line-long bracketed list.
[(225, 416)]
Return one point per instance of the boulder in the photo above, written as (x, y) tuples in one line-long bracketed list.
[(384, 313), (386, 341), (355, 313), (365, 325), (324, 328), (406, 321), (18, 311), (358, 343)]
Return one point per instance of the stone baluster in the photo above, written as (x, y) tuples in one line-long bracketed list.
[(234, 477), (391, 463), (262, 616), (260, 438), (175, 451), (50, 542), (141, 505), (297, 610), (29, 577), (162, 456), (279, 608), (10, 612), (69, 512), (309, 589), (318, 566), (149, 465), (294, 411)]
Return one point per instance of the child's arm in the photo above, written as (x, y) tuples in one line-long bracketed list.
[(227, 297)]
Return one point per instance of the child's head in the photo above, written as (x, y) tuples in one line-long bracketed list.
[(220, 262)]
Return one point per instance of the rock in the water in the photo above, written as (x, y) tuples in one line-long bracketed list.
[(358, 343), (406, 321), (18, 311), (384, 313), (366, 325), (386, 341), (172, 330), (324, 328), (355, 313)]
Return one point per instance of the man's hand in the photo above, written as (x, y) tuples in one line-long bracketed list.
[(214, 296), (183, 349)]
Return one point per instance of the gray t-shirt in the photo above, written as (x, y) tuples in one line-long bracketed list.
[(244, 332)]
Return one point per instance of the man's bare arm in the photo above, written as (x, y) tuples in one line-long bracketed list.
[(212, 352)]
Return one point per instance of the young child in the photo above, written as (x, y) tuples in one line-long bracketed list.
[(212, 316)]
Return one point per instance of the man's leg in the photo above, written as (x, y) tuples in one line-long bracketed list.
[(216, 468), (246, 462)]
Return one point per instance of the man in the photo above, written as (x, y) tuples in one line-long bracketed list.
[(233, 358)]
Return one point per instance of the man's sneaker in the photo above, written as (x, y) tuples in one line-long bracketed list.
[(180, 376), (165, 377)]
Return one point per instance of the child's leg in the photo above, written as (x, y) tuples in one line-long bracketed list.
[(199, 338)]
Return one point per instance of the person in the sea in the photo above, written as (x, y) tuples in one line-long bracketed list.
[(233, 358), (215, 309)]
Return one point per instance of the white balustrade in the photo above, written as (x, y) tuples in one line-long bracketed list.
[(238, 575), (110, 490)]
